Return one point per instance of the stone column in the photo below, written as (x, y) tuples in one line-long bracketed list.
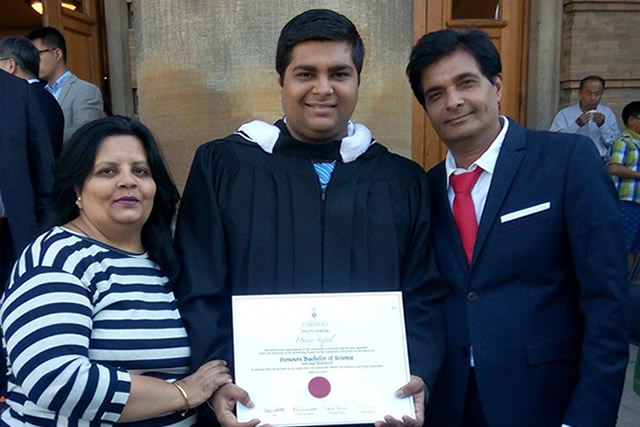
[(205, 67), (117, 28), (543, 86)]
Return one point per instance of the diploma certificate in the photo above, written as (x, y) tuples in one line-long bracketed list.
[(312, 359)]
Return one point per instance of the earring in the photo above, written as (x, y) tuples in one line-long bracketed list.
[(78, 200)]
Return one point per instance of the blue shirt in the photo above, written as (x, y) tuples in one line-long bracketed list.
[(324, 170), (55, 88)]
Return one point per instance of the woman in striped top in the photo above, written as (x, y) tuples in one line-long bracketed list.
[(91, 328)]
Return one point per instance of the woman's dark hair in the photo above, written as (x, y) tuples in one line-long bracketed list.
[(76, 163)]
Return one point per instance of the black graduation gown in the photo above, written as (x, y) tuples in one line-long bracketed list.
[(251, 222)]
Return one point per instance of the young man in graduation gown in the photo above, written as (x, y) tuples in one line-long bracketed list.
[(528, 234), (312, 203)]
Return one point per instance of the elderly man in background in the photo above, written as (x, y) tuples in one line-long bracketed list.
[(590, 118)]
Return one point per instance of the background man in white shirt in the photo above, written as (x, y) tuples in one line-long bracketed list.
[(589, 118)]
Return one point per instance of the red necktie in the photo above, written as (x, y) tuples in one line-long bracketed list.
[(464, 213)]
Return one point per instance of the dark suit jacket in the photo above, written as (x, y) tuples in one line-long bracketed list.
[(53, 117), (544, 301), (26, 160)]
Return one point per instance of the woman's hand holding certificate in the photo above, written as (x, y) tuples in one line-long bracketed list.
[(225, 399)]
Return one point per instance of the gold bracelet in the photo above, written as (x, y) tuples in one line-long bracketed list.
[(184, 396)]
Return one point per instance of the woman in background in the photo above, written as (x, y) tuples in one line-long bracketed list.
[(90, 324)]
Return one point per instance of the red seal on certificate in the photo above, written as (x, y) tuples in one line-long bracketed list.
[(319, 387)]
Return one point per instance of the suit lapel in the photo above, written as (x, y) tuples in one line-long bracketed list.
[(445, 217), (65, 89), (509, 159)]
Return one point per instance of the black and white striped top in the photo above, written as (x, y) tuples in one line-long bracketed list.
[(78, 317)]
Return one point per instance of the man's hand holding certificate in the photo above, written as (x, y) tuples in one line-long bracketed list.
[(316, 359)]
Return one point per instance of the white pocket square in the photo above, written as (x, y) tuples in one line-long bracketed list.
[(525, 212)]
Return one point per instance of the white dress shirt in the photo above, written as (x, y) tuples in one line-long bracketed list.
[(487, 161), (603, 137)]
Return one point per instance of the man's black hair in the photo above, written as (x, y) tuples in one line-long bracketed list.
[(436, 45), (318, 24), (51, 38), (592, 77), (631, 109)]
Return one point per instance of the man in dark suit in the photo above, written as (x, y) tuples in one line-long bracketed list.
[(527, 232), (26, 176), (26, 164), (18, 56)]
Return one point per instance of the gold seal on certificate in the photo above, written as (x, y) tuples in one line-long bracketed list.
[(313, 359)]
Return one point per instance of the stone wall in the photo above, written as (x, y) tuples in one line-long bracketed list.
[(601, 37), (205, 67)]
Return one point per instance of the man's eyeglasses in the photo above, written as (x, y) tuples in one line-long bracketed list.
[(5, 58), (51, 49)]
